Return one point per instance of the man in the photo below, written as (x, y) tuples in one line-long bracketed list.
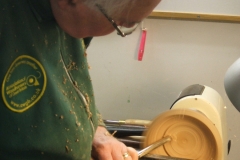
[(47, 107)]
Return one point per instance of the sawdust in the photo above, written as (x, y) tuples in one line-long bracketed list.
[(87, 106), (78, 124), (46, 42), (64, 80), (67, 149), (64, 93), (72, 66)]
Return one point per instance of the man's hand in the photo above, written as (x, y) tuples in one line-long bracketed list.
[(106, 147)]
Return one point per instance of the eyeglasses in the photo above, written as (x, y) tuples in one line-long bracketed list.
[(122, 31)]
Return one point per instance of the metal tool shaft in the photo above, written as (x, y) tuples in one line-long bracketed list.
[(158, 157), (144, 152), (148, 149)]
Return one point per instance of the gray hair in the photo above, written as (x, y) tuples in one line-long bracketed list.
[(112, 7)]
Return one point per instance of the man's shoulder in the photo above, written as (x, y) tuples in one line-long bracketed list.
[(9, 7)]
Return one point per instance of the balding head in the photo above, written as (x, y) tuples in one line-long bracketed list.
[(114, 7), (82, 18)]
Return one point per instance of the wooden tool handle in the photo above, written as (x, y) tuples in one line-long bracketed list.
[(137, 122)]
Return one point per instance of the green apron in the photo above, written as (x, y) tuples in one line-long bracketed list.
[(47, 105)]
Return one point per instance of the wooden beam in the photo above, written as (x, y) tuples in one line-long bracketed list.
[(195, 16)]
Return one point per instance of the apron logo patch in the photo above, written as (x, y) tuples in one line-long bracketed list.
[(24, 84)]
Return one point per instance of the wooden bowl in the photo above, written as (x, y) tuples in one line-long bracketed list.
[(194, 136)]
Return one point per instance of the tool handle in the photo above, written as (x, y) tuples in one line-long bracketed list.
[(138, 122)]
